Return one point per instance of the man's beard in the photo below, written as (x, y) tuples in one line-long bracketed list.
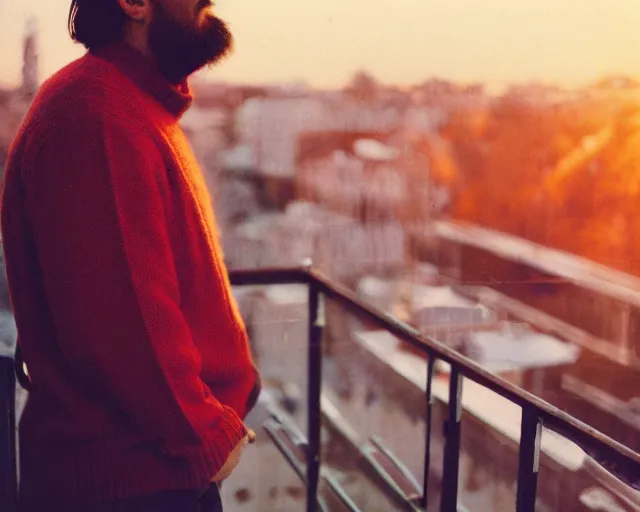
[(180, 50)]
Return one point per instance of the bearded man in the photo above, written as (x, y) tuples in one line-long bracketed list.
[(141, 374)]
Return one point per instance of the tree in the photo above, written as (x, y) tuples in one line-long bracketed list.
[(363, 86)]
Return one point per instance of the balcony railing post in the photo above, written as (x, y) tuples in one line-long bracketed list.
[(316, 325), (449, 500), (537, 411), (528, 463), (428, 419), (8, 476)]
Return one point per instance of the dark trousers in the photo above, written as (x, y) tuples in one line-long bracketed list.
[(167, 501)]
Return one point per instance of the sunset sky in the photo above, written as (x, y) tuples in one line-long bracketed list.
[(322, 42)]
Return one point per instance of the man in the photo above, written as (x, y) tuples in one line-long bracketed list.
[(140, 367)]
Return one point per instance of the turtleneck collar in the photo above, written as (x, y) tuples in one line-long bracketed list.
[(176, 99)]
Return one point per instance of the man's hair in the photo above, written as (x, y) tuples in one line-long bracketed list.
[(94, 23)]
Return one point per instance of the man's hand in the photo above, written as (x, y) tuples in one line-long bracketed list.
[(234, 458)]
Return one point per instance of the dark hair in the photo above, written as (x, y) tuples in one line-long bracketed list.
[(95, 23)]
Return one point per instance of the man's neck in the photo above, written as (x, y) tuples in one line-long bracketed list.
[(146, 76), (136, 37)]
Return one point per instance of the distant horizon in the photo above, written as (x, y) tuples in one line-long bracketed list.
[(499, 43), (210, 79)]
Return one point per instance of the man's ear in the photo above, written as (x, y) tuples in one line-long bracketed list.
[(137, 10)]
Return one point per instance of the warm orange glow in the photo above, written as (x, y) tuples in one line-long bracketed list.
[(561, 173)]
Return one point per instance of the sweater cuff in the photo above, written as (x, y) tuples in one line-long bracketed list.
[(218, 444)]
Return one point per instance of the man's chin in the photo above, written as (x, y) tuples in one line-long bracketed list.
[(220, 40), (181, 52)]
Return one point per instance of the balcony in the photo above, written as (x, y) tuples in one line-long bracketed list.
[(362, 412)]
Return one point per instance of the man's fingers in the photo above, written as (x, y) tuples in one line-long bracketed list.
[(234, 457)]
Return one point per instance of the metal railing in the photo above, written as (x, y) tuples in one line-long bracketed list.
[(619, 459), (323, 492), (8, 474)]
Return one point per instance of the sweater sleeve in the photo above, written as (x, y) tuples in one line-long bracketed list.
[(94, 199)]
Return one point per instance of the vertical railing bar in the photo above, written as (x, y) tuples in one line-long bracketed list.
[(316, 324), (8, 456), (428, 418), (449, 500), (528, 460)]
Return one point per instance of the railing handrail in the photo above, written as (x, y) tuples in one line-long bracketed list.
[(590, 439), (535, 412)]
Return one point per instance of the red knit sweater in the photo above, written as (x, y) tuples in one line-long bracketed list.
[(138, 356)]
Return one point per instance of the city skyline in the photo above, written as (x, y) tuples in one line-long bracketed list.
[(399, 41)]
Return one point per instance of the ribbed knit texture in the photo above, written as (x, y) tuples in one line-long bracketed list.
[(135, 346)]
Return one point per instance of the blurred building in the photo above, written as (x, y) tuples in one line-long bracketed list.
[(30, 74), (373, 180)]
